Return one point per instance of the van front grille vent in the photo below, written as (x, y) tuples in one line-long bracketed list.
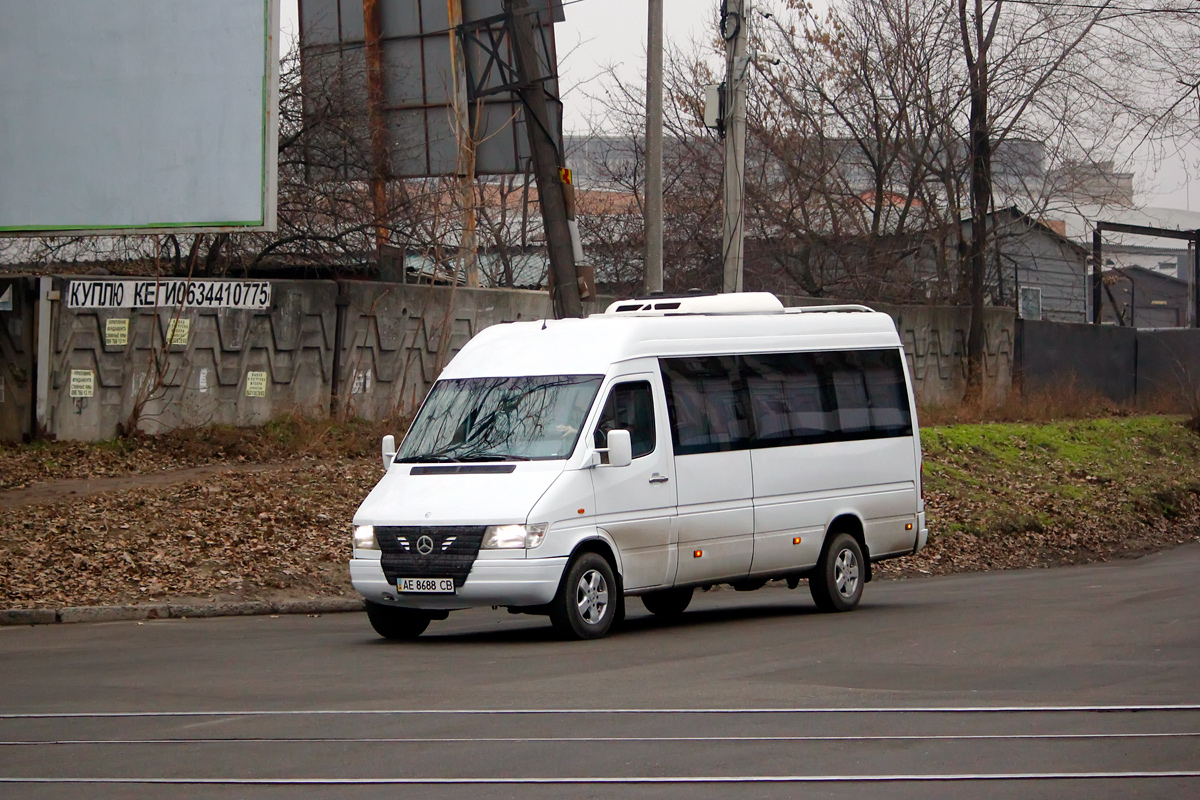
[(451, 550)]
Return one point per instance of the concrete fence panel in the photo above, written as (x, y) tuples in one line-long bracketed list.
[(935, 341), (172, 366), (18, 351), (373, 350), (396, 338)]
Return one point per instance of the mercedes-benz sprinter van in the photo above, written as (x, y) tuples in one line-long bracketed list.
[(559, 467)]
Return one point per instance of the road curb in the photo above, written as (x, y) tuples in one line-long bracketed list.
[(76, 614)]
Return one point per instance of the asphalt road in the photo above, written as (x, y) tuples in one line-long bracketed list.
[(1075, 682)]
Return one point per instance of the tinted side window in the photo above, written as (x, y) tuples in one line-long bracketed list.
[(807, 398), (630, 407), (706, 402), (782, 399), (788, 400), (849, 394), (887, 393)]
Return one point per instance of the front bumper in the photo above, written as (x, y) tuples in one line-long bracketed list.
[(492, 582)]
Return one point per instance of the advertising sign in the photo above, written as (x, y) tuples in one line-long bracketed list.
[(138, 115), (168, 293)]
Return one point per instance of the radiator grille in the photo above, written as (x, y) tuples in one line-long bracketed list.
[(452, 551)]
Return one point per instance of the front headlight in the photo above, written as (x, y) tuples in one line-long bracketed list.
[(364, 538), (507, 537)]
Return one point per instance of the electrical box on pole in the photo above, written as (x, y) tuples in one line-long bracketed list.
[(714, 108)]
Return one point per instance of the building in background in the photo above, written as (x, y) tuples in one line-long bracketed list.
[(1035, 269), (1136, 297)]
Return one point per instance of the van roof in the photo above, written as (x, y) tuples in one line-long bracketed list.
[(591, 346), (739, 303)]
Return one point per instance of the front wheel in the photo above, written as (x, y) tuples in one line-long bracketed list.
[(587, 601), (837, 583), (394, 622)]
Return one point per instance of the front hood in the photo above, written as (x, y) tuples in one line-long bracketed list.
[(457, 499)]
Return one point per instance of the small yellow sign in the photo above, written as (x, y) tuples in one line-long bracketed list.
[(116, 332), (564, 175), (83, 383), (178, 330), (256, 384)]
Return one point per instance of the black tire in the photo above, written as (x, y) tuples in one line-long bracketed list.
[(837, 582), (588, 601), (394, 622), (668, 603)]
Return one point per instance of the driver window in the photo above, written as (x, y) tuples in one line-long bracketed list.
[(630, 407)]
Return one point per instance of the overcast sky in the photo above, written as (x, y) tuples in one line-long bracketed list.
[(598, 33)]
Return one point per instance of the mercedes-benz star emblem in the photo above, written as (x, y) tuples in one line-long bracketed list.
[(425, 545)]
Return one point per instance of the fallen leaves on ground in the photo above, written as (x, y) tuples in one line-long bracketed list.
[(997, 497), (284, 438), (279, 533)]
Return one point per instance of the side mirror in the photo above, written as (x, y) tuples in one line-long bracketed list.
[(620, 449), (389, 450)]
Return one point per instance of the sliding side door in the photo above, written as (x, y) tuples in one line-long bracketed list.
[(710, 436)]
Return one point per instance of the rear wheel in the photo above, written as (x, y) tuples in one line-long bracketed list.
[(587, 602), (393, 622), (837, 583), (668, 602)]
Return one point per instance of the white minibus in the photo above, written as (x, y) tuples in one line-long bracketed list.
[(560, 467)]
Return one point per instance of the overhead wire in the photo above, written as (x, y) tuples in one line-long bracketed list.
[(1130, 10)]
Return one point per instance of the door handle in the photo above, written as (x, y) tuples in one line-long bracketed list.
[(656, 478)]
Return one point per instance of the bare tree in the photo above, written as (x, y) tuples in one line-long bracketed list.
[(853, 123), (1086, 76)]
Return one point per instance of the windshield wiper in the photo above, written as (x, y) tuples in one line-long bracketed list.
[(495, 457), (426, 459)]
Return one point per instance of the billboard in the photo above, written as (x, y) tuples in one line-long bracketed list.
[(134, 116), (419, 79)]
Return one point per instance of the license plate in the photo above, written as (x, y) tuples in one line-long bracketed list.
[(428, 585)]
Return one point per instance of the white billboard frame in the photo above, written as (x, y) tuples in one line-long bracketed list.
[(58, 177)]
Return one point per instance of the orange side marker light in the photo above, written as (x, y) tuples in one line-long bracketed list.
[(698, 554)]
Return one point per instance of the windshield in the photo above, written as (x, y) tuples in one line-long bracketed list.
[(501, 419)]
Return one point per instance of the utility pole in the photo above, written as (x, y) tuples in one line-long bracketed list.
[(467, 248), (380, 167), (564, 284), (735, 30), (654, 141)]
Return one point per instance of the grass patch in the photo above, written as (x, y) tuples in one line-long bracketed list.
[(1017, 494)]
